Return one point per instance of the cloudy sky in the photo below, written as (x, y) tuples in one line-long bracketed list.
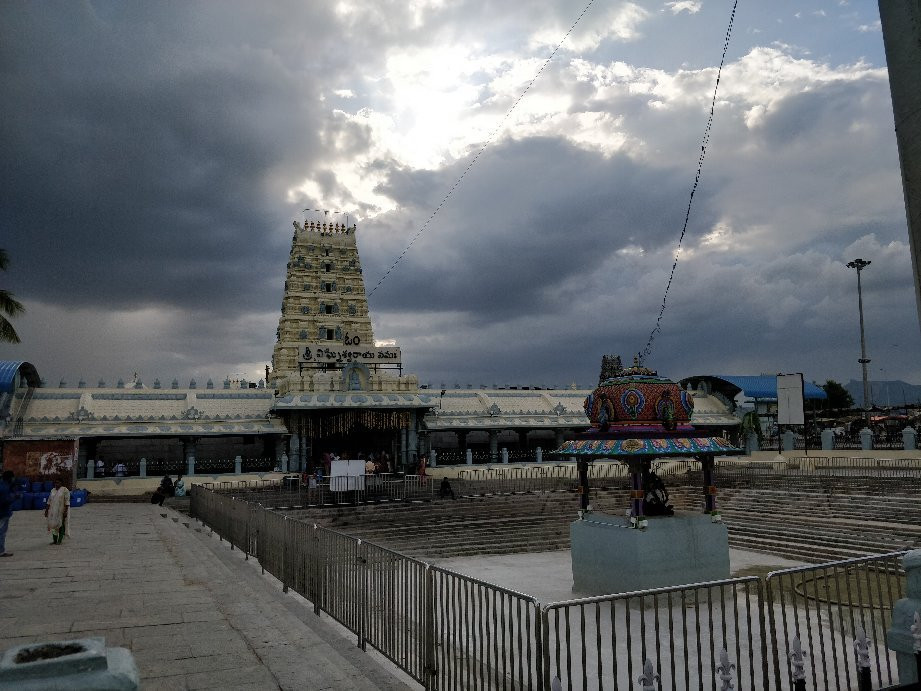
[(155, 153)]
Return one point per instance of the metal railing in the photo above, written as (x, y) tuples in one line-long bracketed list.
[(604, 642), (825, 607), (451, 632)]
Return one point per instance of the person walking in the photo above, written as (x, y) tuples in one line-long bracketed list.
[(8, 495), (57, 511)]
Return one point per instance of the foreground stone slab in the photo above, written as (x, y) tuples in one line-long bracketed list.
[(83, 663)]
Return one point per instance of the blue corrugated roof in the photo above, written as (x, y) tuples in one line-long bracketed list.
[(766, 386), (8, 371)]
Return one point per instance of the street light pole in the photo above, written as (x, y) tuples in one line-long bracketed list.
[(860, 265)]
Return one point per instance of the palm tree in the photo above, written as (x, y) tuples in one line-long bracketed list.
[(9, 307)]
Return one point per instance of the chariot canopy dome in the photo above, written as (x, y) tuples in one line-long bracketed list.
[(635, 412)]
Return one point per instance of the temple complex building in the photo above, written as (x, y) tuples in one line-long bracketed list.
[(331, 388), (338, 391)]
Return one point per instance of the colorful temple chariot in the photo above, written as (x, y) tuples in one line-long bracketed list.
[(636, 416)]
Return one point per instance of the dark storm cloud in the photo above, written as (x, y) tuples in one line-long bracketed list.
[(531, 216), (138, 141)]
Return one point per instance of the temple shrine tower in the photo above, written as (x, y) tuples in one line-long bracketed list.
[(324, 303)]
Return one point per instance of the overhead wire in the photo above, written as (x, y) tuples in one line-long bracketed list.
[(700, 164), (476, 157)]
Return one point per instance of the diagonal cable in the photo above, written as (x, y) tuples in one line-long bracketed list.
[(700, 164), (482, 149)]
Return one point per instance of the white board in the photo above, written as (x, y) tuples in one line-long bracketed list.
[(347, 475), (790, 409)]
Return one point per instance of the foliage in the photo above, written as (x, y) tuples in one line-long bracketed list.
[(9, 307), (838, 397)]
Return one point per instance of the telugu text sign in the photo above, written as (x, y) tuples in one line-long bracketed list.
[(338, 354)]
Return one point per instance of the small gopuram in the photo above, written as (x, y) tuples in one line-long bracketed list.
[(337, 389), (637, 417)]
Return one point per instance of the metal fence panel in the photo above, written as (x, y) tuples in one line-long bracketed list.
[(603, 642), (484, 635), (823, 606)]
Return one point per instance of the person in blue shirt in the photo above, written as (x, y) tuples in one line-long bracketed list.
[(8, 495)]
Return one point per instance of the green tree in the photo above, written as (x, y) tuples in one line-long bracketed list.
[(838, 397), (9, 307)]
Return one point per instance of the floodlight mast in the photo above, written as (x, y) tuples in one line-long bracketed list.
[(860, 265)]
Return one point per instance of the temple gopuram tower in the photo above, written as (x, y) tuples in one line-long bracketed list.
[(324, 302), (336, 389)]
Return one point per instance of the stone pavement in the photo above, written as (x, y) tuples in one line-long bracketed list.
[(194, 613)]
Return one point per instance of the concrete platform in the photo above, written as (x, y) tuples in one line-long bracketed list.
[(194, 613)]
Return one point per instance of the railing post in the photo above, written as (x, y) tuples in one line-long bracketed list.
[(798, 664), (142, 468), (862, 650), (238, 465), (319, 570), (362, 579), (543, 648), (284, 556), (429, 674)]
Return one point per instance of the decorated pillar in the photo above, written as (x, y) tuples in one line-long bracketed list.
[(636, 492), (493, 445), (706, 463), (582, 465)]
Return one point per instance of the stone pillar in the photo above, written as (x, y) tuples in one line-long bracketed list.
[(90, 468), (789, 440), (909, 439), (828, 440), (504, 455), (469, 456), (751, 443), (523, 440), (283, 463), (188, 453), (142, 467), (905, 614), (237, 466), (281, 449), (902, 40), (866, 439), (412, 436), (539, 455), (493, 445), (82, 454), (433, 459)]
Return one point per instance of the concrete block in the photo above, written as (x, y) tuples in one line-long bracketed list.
[(609, 556)]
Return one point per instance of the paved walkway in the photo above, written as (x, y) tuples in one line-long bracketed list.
[(194, 613)]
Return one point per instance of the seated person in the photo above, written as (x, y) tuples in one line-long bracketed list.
[(445, 490)]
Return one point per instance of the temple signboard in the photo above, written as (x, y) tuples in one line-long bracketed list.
[(339, 354)]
